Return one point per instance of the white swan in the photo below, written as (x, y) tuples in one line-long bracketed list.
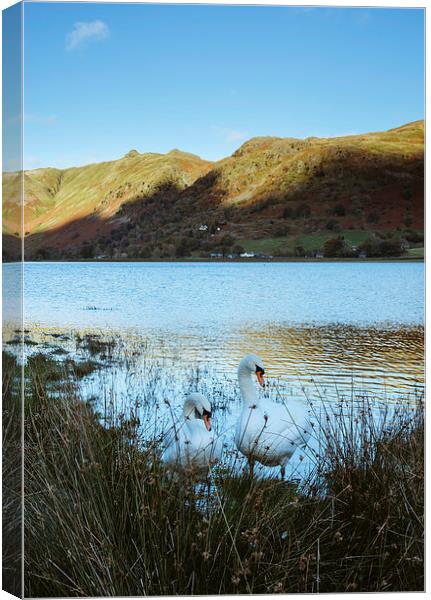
[(267, 432), (191, 445)]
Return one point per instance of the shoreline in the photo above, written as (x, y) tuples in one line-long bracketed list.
[(226, 260)]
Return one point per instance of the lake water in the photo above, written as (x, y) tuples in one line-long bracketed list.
[(223, 296), (327, 321), (323, 329)]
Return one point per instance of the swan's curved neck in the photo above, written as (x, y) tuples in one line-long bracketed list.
[(189, 410), (247, 387)]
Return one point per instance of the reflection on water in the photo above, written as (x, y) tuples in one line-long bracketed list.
[(310, 364), (331, 322), (328, 360), (380, 361)]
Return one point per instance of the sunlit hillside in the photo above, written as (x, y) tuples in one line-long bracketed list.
[(278, 196)]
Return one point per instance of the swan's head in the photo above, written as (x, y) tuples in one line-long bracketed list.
[(196, 406), (253, 364)]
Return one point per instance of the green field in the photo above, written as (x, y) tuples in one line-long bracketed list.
[(316, 241), (416, 252), (265, 246), (313, 241)]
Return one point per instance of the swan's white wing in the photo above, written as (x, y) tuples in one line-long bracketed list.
[(282, 418), (272, 432), (173, 443), (192, 446), (249, 429)]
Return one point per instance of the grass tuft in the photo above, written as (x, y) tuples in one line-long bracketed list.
[(104, 518)]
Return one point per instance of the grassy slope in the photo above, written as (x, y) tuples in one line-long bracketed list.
[(54, 197), (307, 241), (279, 165), (315, 241), (375, 178), (416, 252)]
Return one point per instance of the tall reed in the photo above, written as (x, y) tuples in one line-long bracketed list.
[(103, 517)]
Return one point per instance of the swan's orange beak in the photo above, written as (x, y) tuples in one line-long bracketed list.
[(207, 421), (259, 375)]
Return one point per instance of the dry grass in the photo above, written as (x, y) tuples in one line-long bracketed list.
[(104, 518), (11, 476)]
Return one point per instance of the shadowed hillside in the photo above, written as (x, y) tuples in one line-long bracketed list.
[(278, 196)]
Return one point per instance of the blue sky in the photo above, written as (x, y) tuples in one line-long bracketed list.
[(101, 79)]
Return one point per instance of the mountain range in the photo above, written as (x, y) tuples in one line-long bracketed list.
[(278, 196)]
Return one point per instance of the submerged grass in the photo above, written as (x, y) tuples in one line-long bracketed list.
[(103, 517)]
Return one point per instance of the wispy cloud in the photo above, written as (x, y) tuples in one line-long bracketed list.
[(40, 119), (32, 162), (84, 32), (230, 135), (363, 17), (11, 164), (32, 118), (342, 134)]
